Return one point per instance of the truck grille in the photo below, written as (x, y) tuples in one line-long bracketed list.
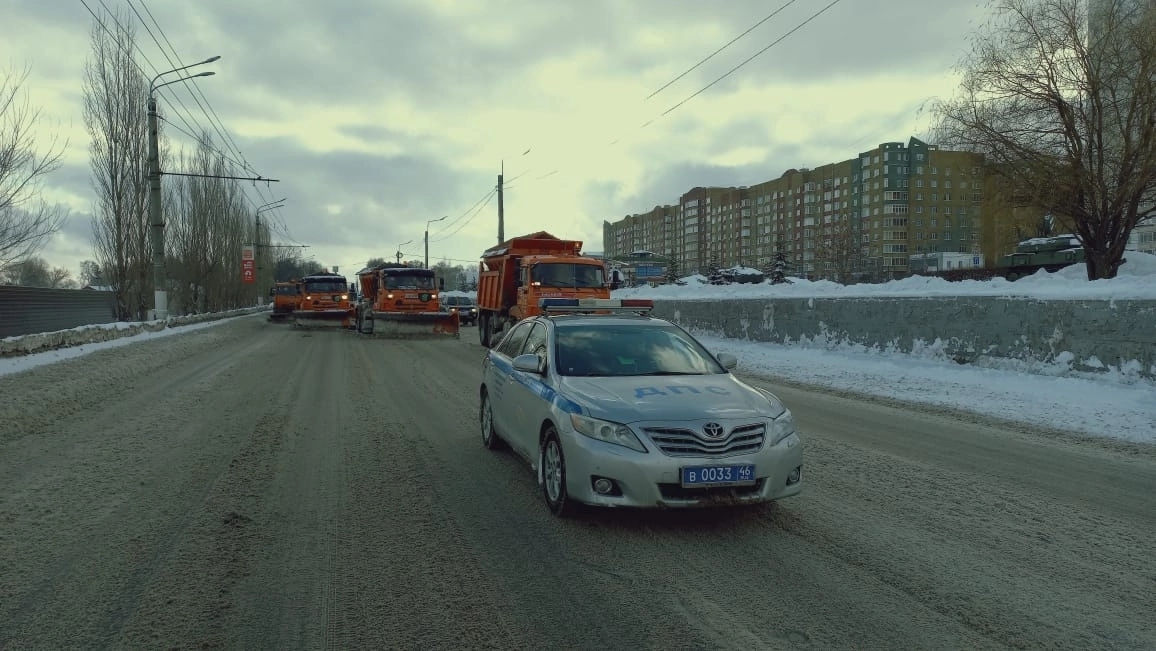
[(681, 442)]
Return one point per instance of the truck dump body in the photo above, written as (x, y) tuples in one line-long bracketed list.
[(515, 275), (402, 301), (323, 302)]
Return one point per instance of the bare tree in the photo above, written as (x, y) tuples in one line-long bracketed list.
[(90, 273), (26, 220), (115, 92), (1066, 114), (836, 248)]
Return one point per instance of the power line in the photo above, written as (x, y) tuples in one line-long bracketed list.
[(745, 62), (195, 91), (221, 131), (488, 198), (185, 119), (467, 212), (728, 44)]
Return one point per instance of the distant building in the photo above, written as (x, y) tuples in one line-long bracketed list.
[(858, 219)]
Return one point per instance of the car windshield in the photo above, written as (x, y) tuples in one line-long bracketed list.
[(624, 350), (459, 300), (324, 286), (567, 275), (286, 290), (409, 281)]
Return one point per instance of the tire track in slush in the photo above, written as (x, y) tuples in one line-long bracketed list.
[(410, 582)]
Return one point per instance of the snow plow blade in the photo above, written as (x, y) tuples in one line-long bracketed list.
[(322, 319), (413, 325)]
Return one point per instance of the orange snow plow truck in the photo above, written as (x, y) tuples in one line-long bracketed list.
[(515, 274), (401, 301), (285, 299), (323, 301)]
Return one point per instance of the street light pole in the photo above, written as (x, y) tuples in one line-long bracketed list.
[(427, 238), (399, 254), (160, 296), (257, 243)]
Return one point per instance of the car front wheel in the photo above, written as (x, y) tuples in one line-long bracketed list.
[(554, 475), (486, 420)]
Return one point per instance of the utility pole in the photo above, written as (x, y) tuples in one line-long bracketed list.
[(501, 207), (157, 232), (156, 219), (427, 238)]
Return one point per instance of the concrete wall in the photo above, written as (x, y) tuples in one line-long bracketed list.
[(1088, 335)]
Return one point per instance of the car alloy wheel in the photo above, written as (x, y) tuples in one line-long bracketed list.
[(554, 475), (486, 417)]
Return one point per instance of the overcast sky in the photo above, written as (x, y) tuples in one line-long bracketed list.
[(378, 115)]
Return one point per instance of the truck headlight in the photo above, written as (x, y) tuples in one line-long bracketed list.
[(603, 430)]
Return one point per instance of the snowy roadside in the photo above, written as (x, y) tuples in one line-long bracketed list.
[(1096, 405), (30, 351)]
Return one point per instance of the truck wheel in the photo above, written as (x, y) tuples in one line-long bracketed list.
[(484, 330)]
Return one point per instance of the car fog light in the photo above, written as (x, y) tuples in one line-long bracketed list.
[(795, 475), (602, 486)]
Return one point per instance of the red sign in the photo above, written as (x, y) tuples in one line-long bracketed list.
[(248, 271)]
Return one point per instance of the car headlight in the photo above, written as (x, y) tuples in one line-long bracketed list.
[(780, 428), (782, 422), (602, 430), (345, 297)]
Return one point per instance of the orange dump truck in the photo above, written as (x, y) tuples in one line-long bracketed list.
[(284, 297), (515, 274), (323, 300), (398, 300)]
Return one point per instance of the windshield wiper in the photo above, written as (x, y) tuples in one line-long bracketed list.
[(671, 373)]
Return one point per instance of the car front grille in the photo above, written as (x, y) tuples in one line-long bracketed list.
[(682, 442)]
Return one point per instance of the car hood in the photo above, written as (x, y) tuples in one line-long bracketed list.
[(668, 397)]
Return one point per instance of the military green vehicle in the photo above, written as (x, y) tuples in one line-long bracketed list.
[(1049, 253)]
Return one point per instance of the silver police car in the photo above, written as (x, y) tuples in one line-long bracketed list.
[(612, 407)]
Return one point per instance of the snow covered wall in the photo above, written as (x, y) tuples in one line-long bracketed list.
[(1084, 335)]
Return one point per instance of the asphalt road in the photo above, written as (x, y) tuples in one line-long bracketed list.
[(255, 486)]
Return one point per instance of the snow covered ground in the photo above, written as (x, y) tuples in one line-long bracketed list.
[(1109, 405), (1051, 396)]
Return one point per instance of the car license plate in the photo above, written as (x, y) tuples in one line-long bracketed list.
[(718, 475)]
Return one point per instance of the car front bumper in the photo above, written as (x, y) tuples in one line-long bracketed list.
[(653, 479)]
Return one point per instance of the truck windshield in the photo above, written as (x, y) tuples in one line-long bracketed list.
[(409, 281), (559, 274), (324, 286)]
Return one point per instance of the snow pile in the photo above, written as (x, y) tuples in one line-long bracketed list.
[(1136, 280), (89, 334)]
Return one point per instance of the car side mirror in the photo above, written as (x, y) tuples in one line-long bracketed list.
[(530, 363), (728, 360), (441, 284)]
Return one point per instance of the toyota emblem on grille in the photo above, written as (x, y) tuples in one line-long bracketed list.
[(713, 430)]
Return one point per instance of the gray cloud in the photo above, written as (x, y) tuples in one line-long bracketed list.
[(364, 53)]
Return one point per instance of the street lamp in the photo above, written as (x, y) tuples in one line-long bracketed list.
[(399, 254), (160, 296), (427, 238)]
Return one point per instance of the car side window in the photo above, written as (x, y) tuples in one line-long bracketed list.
[(536, 341), (511, 344)]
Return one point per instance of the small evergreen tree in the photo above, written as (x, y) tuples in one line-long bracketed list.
[(714, 275), (671, 276), (779, 267)]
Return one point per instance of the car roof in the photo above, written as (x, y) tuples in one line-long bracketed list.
[(595, 320)]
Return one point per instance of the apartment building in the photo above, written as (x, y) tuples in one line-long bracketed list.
[(858, 219)]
